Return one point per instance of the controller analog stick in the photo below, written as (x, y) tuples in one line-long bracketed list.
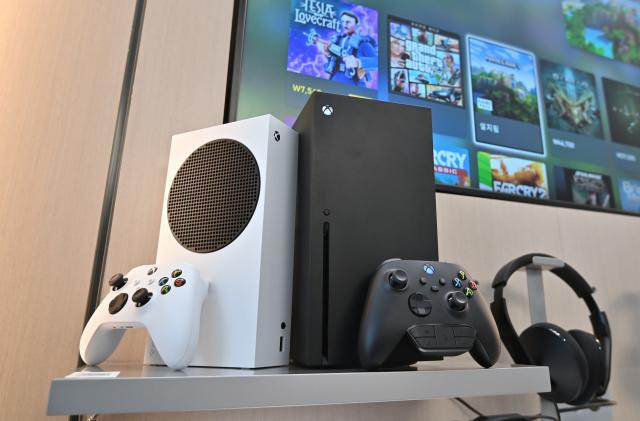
[(457, 301), (141, 297), (117, 281), (398, 279)]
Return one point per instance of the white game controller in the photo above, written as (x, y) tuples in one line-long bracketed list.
[(166, 299)]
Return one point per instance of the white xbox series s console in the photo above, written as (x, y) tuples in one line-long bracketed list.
[(229, 209), (166, 299)]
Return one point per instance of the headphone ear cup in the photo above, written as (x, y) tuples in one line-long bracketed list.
[(594, 354), (550, 345)]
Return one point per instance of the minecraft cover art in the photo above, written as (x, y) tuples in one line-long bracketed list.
[(570, 99), (424, 62), (623, 109), (334, 40), (504, 94), (608, 28), (516, 176), (584, 187), (503, 80)]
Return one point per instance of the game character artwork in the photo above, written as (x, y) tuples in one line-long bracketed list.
[(608, 28), (516, 176), (424, 62), (583, 187), (334, 40), (570, 99), (623, 109)]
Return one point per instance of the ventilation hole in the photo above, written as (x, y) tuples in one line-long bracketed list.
[(213, 196)]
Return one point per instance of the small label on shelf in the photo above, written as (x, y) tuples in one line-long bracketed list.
[(92, 374)]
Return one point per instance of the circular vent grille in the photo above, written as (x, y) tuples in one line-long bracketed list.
[(213, 195)]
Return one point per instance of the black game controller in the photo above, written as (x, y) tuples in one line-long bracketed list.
[(418, 310)]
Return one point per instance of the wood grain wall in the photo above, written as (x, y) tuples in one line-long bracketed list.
[(60, 75)]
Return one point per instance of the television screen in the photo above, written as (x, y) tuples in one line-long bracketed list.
[(531, 100)]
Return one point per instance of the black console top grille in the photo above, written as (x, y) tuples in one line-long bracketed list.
[(213, 195)]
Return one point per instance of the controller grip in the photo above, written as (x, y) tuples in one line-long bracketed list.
[(176, 345), (486, 348), (97, 345)]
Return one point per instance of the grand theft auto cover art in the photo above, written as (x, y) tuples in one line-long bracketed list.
[(334, 40)]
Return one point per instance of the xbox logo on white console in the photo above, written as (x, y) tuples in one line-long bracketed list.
[(327, 110)]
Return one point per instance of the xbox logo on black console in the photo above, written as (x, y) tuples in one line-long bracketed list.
[(327, 110), (276, 136)]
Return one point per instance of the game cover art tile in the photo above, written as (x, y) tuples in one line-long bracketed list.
[(334, 40), (424, 62), (584, 187), (604, 27), (570, 99), (629, 194), (623, 109), (516, 176), (451, 165)]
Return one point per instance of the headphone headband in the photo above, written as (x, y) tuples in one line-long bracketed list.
[(575, 281)]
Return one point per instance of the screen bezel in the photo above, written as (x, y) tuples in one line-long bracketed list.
[(234, 70)]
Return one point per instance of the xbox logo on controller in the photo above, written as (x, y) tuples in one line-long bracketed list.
[(327, 110)]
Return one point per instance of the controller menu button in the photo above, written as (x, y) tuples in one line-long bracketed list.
[(435, 288), (420, 305), (442, 281), (117, 303), (423, 281), (176, 273), (163, 281), (179, 282)]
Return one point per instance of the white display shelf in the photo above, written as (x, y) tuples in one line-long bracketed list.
[(139, 388)]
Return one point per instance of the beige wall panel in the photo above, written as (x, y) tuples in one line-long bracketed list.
[(60, 76), (180, 86)]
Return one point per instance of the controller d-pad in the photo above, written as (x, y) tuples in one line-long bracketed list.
[(118, 302), (420, 305)]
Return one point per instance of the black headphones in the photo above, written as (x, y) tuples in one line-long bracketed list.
[(579, 362)]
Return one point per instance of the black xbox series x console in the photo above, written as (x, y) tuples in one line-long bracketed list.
[(365, 194)]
